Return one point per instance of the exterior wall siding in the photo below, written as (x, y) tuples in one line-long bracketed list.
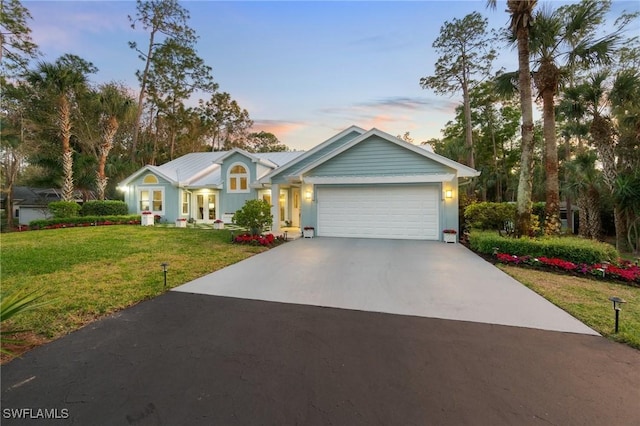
[(281, 177), (376, 156)]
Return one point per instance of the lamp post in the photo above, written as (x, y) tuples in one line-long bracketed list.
[(164, 270), (617, 306)]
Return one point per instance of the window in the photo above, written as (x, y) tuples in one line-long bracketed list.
[(185, 202), (151, 199), (150, 179), (238, 179)]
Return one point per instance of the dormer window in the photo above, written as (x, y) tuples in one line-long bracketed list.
[(238, 178)]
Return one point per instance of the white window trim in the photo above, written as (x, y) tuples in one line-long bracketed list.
[(151, 189), (247, 175)]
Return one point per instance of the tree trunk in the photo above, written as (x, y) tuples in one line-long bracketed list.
[(525, 183), (552, 224), (143, 88), (64, 116), (594, 224), (622, 229), (468, 133), (583, 212), (104, 149)]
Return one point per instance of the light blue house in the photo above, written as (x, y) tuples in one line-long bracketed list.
[(365, 184)]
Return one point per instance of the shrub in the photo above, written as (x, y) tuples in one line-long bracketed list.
[(489, 215), (255, 215), (70, 222), (61, 209), (104, 208), (572, 249)]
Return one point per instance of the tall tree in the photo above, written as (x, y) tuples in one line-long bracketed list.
[(60, 82), (227, 123), (166, 22), (521, 12), (265, 142), (176, 73), (561, 40), (465, 58), (115, 106), (16, 44)]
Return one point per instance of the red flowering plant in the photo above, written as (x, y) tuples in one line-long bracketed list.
[(262, 240), (147, 212), (449, 231), (624, 270)]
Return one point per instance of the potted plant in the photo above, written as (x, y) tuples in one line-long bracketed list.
[(218, 224), (146, 218), (449, 235), (181, 223), (308, 231)]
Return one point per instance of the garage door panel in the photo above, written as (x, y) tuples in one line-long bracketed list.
[(407, 212)]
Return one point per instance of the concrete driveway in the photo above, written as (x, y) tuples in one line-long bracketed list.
[(420, 278)]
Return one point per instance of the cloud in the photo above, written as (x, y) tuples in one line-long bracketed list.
[(278, 127)]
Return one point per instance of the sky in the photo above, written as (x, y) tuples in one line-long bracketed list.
[(303, 70)]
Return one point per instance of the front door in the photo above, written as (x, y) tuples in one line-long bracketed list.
[(206, 207), (295, 208)]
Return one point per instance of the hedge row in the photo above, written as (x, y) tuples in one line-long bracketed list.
[(487, 215), (84, 221), (104, 208), (573, 249)]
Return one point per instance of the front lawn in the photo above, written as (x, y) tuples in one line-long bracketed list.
[(587, 300), (91, 272)]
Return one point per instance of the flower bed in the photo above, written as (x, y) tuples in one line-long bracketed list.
[(623, 271), (267, 240)]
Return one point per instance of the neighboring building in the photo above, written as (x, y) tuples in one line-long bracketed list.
[(32, 203), (359, 183)]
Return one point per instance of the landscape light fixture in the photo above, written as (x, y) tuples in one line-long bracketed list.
[(617, 306), (164, 270), (448, 193)]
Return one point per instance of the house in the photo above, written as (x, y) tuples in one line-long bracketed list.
[(33, 203), (366, 184)]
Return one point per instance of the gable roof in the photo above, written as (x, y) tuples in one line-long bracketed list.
[(461, 169), (315, 151), (203, 168)]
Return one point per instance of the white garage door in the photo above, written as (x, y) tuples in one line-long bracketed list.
[(402, 212)]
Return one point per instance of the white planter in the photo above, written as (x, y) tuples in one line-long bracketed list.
[(449, 238), (218, 225), (181, 223), (146, 220), (307, 233)]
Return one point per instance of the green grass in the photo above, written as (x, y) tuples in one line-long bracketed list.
[(87, 273), (587, 300)]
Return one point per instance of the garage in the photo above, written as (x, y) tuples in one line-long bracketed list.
[(394, 212)]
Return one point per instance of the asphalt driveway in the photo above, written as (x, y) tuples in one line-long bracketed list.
[(196, 358), (421, 278)]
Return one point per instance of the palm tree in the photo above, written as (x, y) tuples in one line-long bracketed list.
[(61, 80), (583, 181), (521, 12), (116, 105), (560, 40)]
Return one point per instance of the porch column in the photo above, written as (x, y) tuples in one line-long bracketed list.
[(275, 208)]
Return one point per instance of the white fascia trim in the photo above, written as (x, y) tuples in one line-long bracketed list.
[(250, 156), (463, 171), (332, 139), (147, 168), (199, 175), (328, 180)]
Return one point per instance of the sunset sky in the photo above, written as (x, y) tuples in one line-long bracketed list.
[(303, 70)]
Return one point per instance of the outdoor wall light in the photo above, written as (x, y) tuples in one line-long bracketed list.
[(617, 306), (448, 193), (164, 270), (307, 195)]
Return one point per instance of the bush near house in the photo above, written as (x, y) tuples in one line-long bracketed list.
[(71, 222), (104, 208), (254, 215), (572, 249), (63, 209), (487, 215)]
